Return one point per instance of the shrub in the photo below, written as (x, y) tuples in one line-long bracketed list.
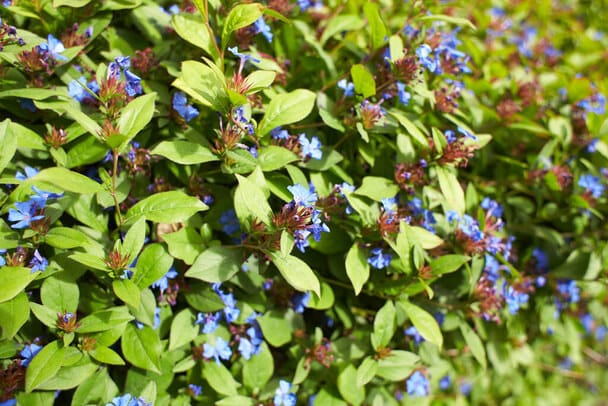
[(340, 202)]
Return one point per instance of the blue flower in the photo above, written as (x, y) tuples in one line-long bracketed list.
[(404, 96), (415, 334), (24, 214), (263, 28), (124, 62), (389, 204), (38, 262), (29, 173), (279, 134), (425, 54), (244, 57), (310, 149), (246, 349), (542, 262), (128, 400), (209, 321), (302, 195), (163, 283), (9, 402), (76, 89), (28, 353), (195, 390), (347, 87), (445, 382), (40, 197), (283, 395), (379, 260), (54, 47), (300, 301), (229, 221), (514, 298), (592, 184), (133, 87), (569, 290), (221, 350), (417, 385), (465, 388), (2, 260), (231, 312), (491, 207), (186, 111)]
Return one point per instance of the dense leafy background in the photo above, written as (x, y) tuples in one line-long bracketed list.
[(323, 202)]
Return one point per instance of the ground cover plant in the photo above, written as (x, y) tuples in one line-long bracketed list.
[(303, 202)]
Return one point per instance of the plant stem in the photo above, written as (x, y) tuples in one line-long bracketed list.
[(113, 191)]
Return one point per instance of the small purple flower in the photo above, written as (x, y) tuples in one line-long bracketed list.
[(279, 134), (569, 291), (244, 57), (283, 395), (514, 298), (417, 385), (379, 260), (133, 87), (221, 350), (229, 221), (54, 47), (310, 149), (404, 96), (425, 55), (181, 106), (415, 334), (76, 89), (445, 382), (28, 353)]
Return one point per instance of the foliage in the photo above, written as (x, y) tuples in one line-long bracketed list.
[(280, 202)]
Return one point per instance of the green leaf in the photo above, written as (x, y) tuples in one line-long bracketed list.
[(411, 128), (475, 344), (185, 244), (216, 264), (92, 261), (449, 19), (274, 157), (397, 366), (13, 313), (286, 108), (347, 385), (84, 151), (377, 27), (103, 320), (75, 369), (363, 80), (70, 3), (421, 236), (341, 23), (192, 28), (205, 83), (13, 281), (239, 17), (259, 80), (277, 327), (384, 326), (424, 322), (106, 355), (250, 202), (60, 293), (451, 189), (183, 330), (325, 301), (377, 188), (66, 238), (58, 179), (153, 263), (220, 379), (135, 116), (296, 272), (166, 207), (27, 138), (448, 263), (258, 369), (357, 267), (8, 144), (237, 400), (96, 389), (366, 371), (44, 365), (141, 347), (46, 315), (134, 239), (127, 291), (184, 152)]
